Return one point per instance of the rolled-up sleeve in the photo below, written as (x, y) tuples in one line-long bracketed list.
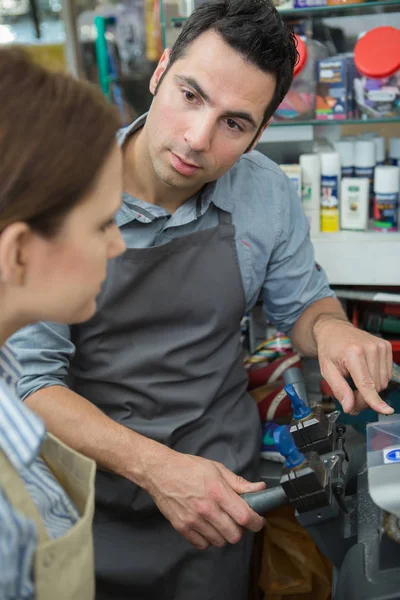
[(44, 351), (293, 279)]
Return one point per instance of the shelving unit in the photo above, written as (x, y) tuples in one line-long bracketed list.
[(349, 258), (328, 11), (352, 257)]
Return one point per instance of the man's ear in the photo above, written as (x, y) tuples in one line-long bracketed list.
[(258, 137), (13, 253), (160, 70)]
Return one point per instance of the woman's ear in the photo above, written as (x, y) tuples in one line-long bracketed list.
[(160, 70), (14, 253)]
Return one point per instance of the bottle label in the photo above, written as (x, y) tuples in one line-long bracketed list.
[(329, 203), (347, 171), (306, 194), (385, 211), (368, 173)]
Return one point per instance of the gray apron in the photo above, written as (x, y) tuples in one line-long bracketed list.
[(163, 357)]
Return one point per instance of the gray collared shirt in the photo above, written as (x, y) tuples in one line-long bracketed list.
[(276, 256)]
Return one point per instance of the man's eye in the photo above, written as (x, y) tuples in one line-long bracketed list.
[(233, 125), (189, 96)]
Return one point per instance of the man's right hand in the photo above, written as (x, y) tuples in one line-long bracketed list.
[(201, 499)]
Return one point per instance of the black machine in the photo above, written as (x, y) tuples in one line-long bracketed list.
[(347, 495)]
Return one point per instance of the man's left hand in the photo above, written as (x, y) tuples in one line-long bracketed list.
[(345, 351)]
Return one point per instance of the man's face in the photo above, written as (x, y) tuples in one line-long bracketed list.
[(205, 114)]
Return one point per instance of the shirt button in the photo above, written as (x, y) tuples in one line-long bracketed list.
[(48, 559)]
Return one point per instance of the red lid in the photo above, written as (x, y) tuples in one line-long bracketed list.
[(302, 50), (377, 53)]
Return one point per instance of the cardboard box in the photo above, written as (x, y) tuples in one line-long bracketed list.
[(332, 84)]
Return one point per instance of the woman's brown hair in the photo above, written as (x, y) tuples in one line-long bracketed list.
[(55, 134)]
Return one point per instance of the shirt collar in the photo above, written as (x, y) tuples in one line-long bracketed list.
[(135, 209), (21, 431)]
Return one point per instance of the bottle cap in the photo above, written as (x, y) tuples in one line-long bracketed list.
[(387, 180), (394, 147), (330, 163), (299, 407), (364, 153), (302, 56), (377, 53), (287, 447), (346, 151), (310, 162)]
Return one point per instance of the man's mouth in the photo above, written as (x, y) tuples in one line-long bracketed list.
[(182, 166)]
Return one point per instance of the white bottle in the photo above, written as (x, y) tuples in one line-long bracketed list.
[(386, 201), (394, 151), (294, 174), (354, 203), (311, 190), (365, 160), (380, 147), (330, 182), (345, 148)]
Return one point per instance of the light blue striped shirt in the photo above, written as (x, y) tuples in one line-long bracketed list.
[(21, 435)]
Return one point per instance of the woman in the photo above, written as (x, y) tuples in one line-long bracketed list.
[(60, 187)]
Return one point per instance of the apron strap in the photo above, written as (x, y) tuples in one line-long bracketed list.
[(15, 491), (224, 217)]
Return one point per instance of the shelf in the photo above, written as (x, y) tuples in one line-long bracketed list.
[(324, 122), (359, 258), (368, 296), (343, 9), (328, 11)]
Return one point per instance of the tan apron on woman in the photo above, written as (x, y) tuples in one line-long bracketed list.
[(63, 568)]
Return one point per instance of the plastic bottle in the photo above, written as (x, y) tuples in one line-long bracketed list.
[(365, 160), (386, 201), (354, 203), (330, 182), (311, 190), (380, 147), (394, 151), (346, 151)]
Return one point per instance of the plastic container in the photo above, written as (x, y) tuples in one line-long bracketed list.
[(346, 151), (386, 200), (376, 83), (394, 151), (311, 190), (299, 101), (365, 161), (294, 174), (380, 147), (330, 182), (354, 203)]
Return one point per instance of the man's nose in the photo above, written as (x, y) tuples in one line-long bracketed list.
[(200, 132)]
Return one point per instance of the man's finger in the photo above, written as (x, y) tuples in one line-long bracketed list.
[(239, 484), (373, 364), (212, 534), (358, 369), (197, 540), (241, 512), (339, 386), (227, 527), (387, 352), (359, 403)]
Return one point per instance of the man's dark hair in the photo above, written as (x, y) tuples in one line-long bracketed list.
[(255, 29)]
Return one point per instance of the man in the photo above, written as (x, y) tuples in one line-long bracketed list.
[(153, 387)]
